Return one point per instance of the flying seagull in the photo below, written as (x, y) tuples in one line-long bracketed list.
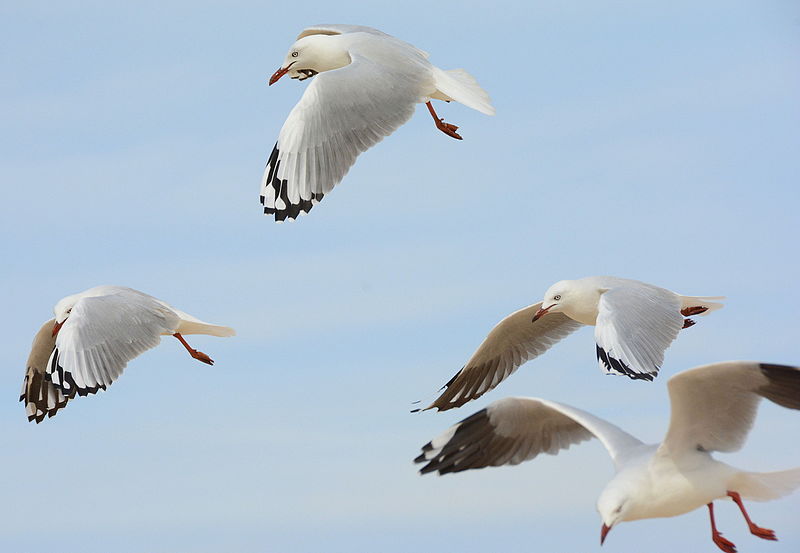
[(713, 409), (634, 322), (91, 339), (367, 84)]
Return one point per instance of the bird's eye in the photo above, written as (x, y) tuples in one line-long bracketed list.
[(295, 54), (557, 297)]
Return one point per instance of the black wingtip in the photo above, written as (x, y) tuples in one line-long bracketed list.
[(617, 366)]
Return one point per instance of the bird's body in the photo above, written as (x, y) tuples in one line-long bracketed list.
[(635, 322), (366, 85), (94, 335), (713, 409)]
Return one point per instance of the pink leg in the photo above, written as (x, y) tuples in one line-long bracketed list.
[(446, 128), (716, 536), (763, 533), (199, 355)]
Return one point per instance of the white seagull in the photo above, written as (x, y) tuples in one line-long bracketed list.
[(713, 409), (367, 86), (93, 336), (634, 322)]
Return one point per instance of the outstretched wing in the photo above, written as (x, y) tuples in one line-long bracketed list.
[(635, 325), (517, 429), (512, 342), (100, 336), (714, 406), (41, 397), (342, 113)]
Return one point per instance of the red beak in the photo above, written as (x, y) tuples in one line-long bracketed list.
[(277, 75), (541, 313), (57, 327), (603, 533)]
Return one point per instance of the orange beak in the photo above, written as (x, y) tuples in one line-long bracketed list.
[(57, 327), (277, 75), (541, 313), (603, 533)]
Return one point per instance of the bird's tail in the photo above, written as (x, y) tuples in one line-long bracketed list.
[(763, 486), (702, 301), (458, 85)]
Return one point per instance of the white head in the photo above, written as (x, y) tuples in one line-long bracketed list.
[(576, 298), (62, 310), (614, 504), (311, 55)]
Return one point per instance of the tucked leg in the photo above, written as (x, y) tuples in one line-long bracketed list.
[(726, 545), (763, 533), (688, 322), (446, 128), (199, 355), (696, 310)]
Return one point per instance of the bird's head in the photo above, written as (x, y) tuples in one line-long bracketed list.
[(311, 55), (556, 299), (613, 505), (62, 310)]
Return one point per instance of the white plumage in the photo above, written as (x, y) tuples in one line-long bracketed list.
[(635, 323), (93, 337), (713, 409), (366, 85)]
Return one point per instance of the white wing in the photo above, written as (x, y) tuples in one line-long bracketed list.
[(337, 29), (714, 406), (635, 325), (41, 397), (514, 341), (100, 336), (517, 429), (342, 113)]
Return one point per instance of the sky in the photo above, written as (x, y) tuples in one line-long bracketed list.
[(648, 140)]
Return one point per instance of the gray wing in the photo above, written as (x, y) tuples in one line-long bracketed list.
[(513, 430), (514, 341), (635, 325), (342, 113), (41, 397), (714, 406), (100, 336)]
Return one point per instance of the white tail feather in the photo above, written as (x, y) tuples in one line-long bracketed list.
[(458, 85), (763, 486)]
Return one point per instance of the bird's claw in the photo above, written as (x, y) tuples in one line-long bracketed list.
[(726, 545), (688, 322), (763, 533), (448, 129), (200, 356)]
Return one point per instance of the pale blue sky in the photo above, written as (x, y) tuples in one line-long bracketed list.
[(648, 140)]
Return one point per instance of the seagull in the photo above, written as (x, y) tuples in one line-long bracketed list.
[(713, 408), (91, 339), (634, 322), (367, 85)]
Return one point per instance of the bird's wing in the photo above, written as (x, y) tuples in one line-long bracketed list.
[(335, 29), (41, 397), (635, 325), (342, 113), (714, 406), (515, 340), (100, 336), (516, 429)]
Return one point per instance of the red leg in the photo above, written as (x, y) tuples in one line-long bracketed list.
[(696, 310), (199, 355), (446, 128), (688, 322), (763, 533), (716, 536)]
